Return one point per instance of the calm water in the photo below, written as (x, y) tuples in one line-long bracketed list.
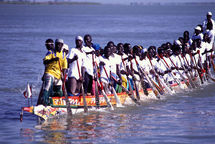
[(184, 118)]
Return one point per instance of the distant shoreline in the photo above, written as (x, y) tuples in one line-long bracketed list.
[(97, 3), (52, 3)]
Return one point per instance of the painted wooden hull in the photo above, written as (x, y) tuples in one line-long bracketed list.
[(58, 104)]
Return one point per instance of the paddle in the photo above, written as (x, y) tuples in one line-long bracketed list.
[(212, 61), (143, 83), (39, 101), (82, 87), (184, 79), (194, 62), (65, 92), (150, 84), (96, 85), (186, 61), (186, 72), (129, 94), (168, 67), (160, 82), (135, 84), (201, 66), (114, 92)]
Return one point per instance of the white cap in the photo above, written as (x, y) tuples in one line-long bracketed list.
[(59, 40), (198, 28), (209, 13), (66, 47), (177, 42), (79, 38)]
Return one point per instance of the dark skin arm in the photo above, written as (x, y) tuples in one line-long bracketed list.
[(119, 75), (73, 59), (82, 74), (45, 62)]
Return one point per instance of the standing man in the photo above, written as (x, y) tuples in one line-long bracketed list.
[(90, 52), (55, 62), (76, 61), (205, 22)]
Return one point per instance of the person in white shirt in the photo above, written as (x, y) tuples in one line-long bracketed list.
[(211, 34), (197, 34), (65, 49), (187, 38), (122, 67), (105, 69), (76, 60), (90, 52), (209, 18)]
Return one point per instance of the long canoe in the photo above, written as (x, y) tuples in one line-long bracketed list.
[(57, 105)]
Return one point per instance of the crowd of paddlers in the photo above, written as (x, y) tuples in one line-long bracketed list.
[(88, 69)]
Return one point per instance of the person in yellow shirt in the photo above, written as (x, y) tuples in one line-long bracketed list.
[(56, 64)]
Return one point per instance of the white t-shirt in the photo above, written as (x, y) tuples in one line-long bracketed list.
[(211, 34), (107, 66), (204, 24), (89, 61), (115, 60), (145, 64), (199, 36), (73, 67)]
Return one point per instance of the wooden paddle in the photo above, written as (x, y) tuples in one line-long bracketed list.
[(212, 61), (143, 84), (129, 94), (195, 64), (135, 84), (160, 82), (184, 79), (115, 94), (96, 84), (65, 92), (168, 67), (186, 72), (82, 87), (148, 79), (39, 101)]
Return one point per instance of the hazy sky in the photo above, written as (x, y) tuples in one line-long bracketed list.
[(145, 1)]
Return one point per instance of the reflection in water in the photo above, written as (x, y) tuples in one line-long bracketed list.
[(84, 128), (183, 118)]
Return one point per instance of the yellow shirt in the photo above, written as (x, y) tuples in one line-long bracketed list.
[(53, 68)]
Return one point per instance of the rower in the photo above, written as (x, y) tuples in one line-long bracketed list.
[(145, 65), (115, 62), (89, 50), (211, 33), (65, 49), (197, 34), (205, 22), (122, 55), (55, 62), (105, 68), (187, 38), (76, 54)]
